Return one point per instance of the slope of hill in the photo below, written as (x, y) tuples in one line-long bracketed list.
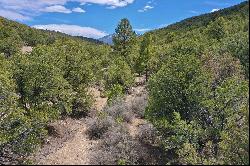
[(199, 84), (195, 101), (14, 35), (226, 29), (56, 73), (241, 10)]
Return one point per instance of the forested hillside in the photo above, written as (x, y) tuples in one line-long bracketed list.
[(198, 93), (196, 76), (42, 86), (222, 31), (14, 35)]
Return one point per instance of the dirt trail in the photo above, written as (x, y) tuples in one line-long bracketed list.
[(136, 91), (100, 102), (73, 152), (75, 147)]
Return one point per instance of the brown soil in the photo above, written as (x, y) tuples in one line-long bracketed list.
[(100, 102), (74, 151), (74, 147)]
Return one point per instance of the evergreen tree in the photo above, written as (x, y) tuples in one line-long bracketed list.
[(145, 54), (124, 38)]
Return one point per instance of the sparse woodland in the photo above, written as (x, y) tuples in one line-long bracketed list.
[(194, 104)]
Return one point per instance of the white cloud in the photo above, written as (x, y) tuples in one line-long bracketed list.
[(13, 15), (142, 29), (83, 3), (145, 8), (74, 30), (57, 8), (62, 9), (193, 12), (78, 10), (111, 3), (31, 8), (214, 10), (39, 4), (148, 7)]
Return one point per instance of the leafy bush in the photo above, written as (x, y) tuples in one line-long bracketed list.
[(118, 73), (42, 85), (20, 131), (217, 29), (238, 46), (82, 102), (192, 108), (180, 85), (10, 42), (116, 91)]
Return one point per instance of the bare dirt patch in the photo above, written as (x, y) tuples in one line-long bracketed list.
[(26, 49), (100, 102), (74, 147)]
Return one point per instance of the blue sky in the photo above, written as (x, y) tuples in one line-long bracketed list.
[(97, 18)]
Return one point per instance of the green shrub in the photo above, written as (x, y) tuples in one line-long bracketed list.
[(118, 78), (179, 86), (82, 102), (193, 109), (119, 73), (21, 131), (42, 85), (238, 46), (115, 92)]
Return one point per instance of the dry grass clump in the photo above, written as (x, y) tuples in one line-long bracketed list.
[(118, 147), (120, 110), (139, 105), (147, 134), (98, 126)]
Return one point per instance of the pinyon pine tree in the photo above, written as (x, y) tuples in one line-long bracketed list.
[(124, 38)]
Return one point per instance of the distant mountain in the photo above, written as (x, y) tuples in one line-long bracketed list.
[(90, 39), (107, 39)]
